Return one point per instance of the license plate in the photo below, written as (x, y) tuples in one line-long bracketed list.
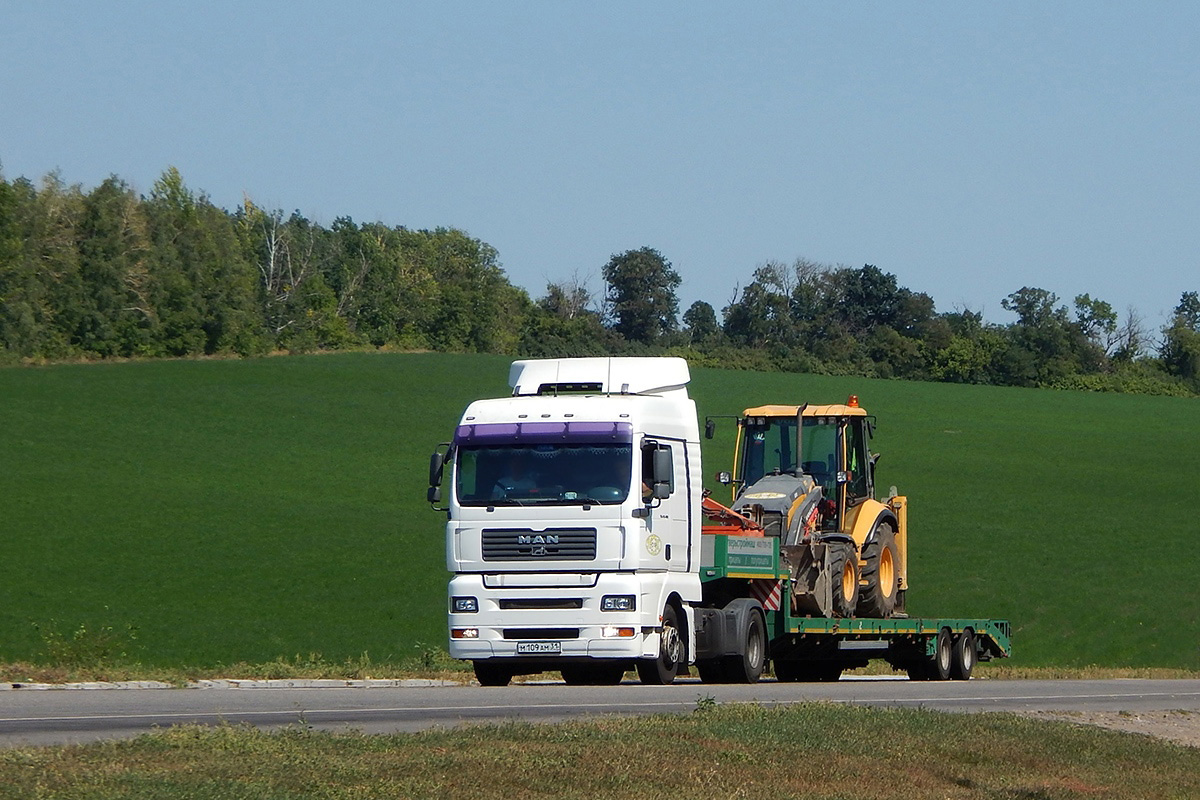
[(539, 647)]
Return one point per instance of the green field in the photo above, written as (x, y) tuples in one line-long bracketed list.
[(201, 513)]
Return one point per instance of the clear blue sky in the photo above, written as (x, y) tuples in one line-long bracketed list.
[(968, 149)]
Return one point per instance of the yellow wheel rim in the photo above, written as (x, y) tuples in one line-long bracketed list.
[(887, 572), (849, 584)]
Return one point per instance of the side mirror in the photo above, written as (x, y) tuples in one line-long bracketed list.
[(710, 428), (724, 478), (663, 472), (434, 495), (662, 490), (436, 462)]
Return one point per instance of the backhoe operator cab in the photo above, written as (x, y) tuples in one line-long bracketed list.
[(807, 472)]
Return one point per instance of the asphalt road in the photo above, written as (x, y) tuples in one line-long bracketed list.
[(56, 716)]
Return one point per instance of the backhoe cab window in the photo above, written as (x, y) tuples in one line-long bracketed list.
[(544, 474), (770, 447)]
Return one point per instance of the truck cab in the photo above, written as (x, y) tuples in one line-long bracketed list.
[(572, 532)]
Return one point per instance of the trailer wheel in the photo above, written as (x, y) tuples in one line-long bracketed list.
[(881, 574), (943, 656), (964, 656), (747, 666), (662, 670), (491, 674)]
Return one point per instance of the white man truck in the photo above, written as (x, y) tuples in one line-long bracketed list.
[(581, 540)]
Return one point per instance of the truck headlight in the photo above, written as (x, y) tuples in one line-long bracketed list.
[(618, 602), (464, 605)]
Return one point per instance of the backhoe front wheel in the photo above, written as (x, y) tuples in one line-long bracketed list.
[(843, 579), (662, 670), (880, 574)]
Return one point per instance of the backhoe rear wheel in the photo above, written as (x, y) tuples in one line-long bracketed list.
[(880, 574)]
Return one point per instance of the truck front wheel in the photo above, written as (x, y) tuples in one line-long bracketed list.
[(489, 673), (600, 674), (662, 670)]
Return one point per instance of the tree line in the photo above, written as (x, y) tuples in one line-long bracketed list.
[(111, 273)]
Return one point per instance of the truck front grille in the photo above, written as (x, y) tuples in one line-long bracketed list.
[(541, 633), (553, 544), (533, 603)]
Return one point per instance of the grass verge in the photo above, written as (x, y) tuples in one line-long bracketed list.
[(813, 751), (436, 664)]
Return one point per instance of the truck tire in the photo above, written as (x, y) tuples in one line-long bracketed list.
[(785, 671), (712, 670), (598, 674), (943, 656), (748, 666), (489, 673), (938, 666), (880, 574), (844, 579), (964, 656), (662, 670)]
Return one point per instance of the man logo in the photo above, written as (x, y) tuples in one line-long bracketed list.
[(540, 538), (539, 550)]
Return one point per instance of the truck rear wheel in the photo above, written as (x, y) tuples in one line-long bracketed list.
[(881, 574), (489, 673), (662, 670), (747, 666)]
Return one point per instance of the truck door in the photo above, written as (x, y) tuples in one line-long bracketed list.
[(663, 543)]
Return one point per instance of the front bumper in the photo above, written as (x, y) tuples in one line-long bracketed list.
[(564, 623)]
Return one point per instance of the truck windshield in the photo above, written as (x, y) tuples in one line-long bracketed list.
[(549, 474), (770, 447)]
